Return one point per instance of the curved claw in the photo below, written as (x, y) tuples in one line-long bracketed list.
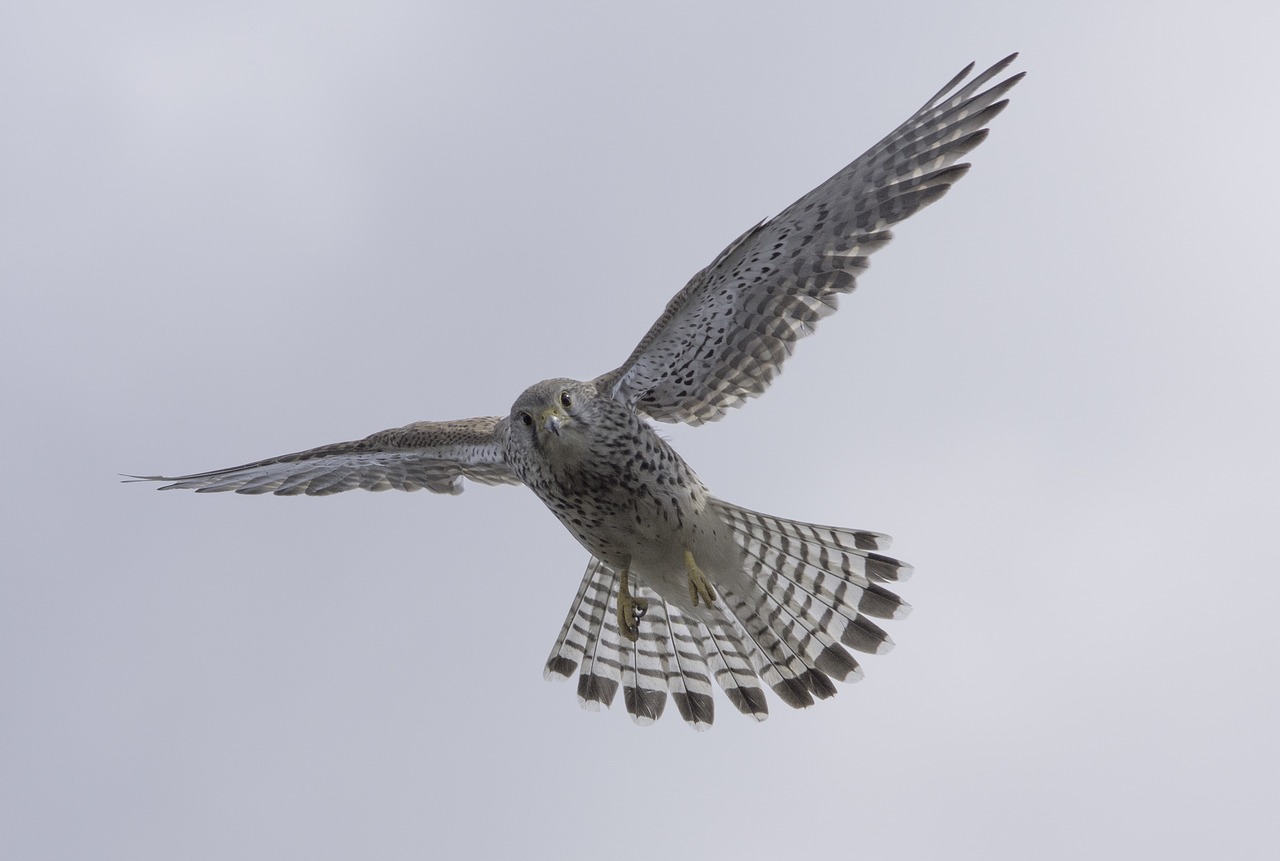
[(630, 610)]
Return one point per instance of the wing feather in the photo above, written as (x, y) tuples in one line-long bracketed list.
[(723, 338), (431, 455)]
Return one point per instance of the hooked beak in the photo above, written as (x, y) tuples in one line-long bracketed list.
[(552, 419)]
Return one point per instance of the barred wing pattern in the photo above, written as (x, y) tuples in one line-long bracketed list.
[(814, 588), (724, 337), (431, 455)]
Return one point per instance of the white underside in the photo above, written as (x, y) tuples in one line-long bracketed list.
[(659, 563)]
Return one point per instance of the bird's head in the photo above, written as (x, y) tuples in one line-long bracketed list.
[(553, 415)]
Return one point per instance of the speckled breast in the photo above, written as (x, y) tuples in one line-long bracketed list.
[(617, 485)]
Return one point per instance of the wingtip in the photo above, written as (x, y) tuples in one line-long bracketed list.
[(127, 478), (1000, 65)]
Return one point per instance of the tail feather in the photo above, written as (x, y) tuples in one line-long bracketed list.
[(847, 593), (789, 621), (814, 586), (602, 667), (879, 602), (589, 604), (866, 636), (813, 654), (685, 664), (674, 653), (644, 672), (828, 587), (837, 537), (815, 608), (846, 553), (777, 665), (727, 658), (810, 627)]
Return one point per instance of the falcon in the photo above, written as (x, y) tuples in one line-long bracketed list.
[(683, 588)]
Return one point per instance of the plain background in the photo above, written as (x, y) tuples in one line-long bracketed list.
[(245, 230)]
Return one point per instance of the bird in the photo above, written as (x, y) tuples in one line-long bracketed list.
[(683, 588)]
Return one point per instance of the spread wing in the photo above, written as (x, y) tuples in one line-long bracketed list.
[(724, 337), (434, 455)]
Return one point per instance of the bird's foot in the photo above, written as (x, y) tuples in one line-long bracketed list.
[(630, 610), (698, 585)]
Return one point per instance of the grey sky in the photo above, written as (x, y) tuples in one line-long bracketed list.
[(244, 231)]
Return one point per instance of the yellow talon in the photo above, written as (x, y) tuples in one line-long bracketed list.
[(698, 585), (630, 610)]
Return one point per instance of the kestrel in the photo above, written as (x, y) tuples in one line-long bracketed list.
[(683, 587)]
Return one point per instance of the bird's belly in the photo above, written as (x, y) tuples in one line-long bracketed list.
[(647, 533), (653, 550)]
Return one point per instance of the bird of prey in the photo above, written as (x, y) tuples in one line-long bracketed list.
[(683, 587)]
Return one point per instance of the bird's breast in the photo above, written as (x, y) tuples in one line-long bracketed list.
[(625, 494)]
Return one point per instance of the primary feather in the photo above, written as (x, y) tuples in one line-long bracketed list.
[(724, 337)]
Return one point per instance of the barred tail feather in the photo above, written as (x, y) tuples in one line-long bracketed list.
[(581, 640), (589, 604), (688, 677), (850, 549), (804, 599), (813, 587), (644, 670), (602, 667), (794, 614), (803, 592), (674, 654), (774, 661), (728, 659)]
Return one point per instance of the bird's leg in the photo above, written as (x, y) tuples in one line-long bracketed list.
[(630, 609), (698, 585)]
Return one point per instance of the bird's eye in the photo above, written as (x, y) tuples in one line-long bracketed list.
[(527, 419), (565, 400)]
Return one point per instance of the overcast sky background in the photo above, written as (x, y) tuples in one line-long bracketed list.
[(232, 233)]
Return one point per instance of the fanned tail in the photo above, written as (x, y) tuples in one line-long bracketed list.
[(675, 653), (805, 599)]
